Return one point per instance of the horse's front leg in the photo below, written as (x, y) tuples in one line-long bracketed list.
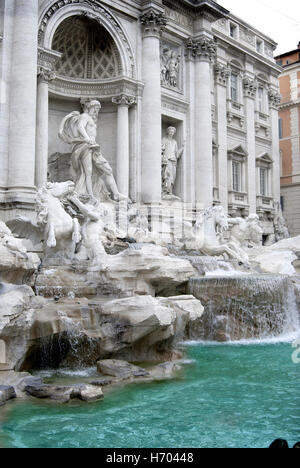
[(51, 238)]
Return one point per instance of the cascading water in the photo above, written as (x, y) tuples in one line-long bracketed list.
[(70, 345), (245, 307)]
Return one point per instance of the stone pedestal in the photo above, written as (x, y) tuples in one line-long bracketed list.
[(21, 179), (153, 22)]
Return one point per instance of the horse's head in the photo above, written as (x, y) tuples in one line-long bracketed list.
[(61, 189)]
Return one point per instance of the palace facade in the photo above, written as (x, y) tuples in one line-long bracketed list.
[(191, 65)]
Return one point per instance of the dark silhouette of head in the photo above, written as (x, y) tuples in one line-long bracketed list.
[(297, 445), (279, 444)]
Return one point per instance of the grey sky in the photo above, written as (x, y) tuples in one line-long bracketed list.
[(276, 18)]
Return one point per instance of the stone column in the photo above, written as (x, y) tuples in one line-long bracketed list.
[(153, 23), (222, 74), (21, 178), (44, 76), (274, 102), (204, 51), (123, 165), (250, 88)]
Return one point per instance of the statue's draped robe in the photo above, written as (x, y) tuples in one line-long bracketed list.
[(81, 152), (169, 168)]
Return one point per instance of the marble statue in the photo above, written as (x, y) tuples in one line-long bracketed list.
[(59, 231), (281, 229), (171, 154), (246, 232), (207, 235), (170, 63), (14, 245), (94, 175), (93, 234)]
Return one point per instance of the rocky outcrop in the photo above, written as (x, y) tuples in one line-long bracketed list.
[(81, 332), (148, 270), (6, 393), (280, 258), (16, 264), (120, 369), (18, 305), (63, 394)]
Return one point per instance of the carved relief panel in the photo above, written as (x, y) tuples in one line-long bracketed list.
[(171, 67)]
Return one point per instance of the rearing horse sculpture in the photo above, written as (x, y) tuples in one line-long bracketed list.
[(207, 231), (59, 231)]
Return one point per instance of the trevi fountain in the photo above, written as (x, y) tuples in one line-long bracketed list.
[(143, 322)]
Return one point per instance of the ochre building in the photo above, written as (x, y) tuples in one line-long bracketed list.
[(289, 129)]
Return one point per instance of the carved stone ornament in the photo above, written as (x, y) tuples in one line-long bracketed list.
[(153, 23), (250, 87), (124, 100), (274, 98), (170, 67), (222, 74), (45, 75), (201, 49)]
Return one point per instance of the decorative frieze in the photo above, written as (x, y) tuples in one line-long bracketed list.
[(201, 49), (250, 87), (107, 90), (153, 23), (124, 100)]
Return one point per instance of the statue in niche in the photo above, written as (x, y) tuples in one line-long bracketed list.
[(94, 175), (170, 157), (170, 66)]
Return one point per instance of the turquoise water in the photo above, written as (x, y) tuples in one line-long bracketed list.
[(230, 396)]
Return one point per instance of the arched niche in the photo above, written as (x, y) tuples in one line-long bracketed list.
[(62, 10), (88, 51)]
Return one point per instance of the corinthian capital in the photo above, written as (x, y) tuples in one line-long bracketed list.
[(201, 49), (274, 98), (250, 87), (153, 23), (45, 75), (124, 100), (222, 74)]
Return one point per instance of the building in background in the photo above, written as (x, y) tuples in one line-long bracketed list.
[(289, 133), (152, 64)]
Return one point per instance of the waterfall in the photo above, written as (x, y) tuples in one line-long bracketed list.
[(69, 345), (245, 307), (210, 265)]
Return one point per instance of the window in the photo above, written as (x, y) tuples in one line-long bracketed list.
[(263, 181), (279, 62), (234, 87), (260, 99), (259, 46), (236, 176), (233, 30), (280, 128)]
